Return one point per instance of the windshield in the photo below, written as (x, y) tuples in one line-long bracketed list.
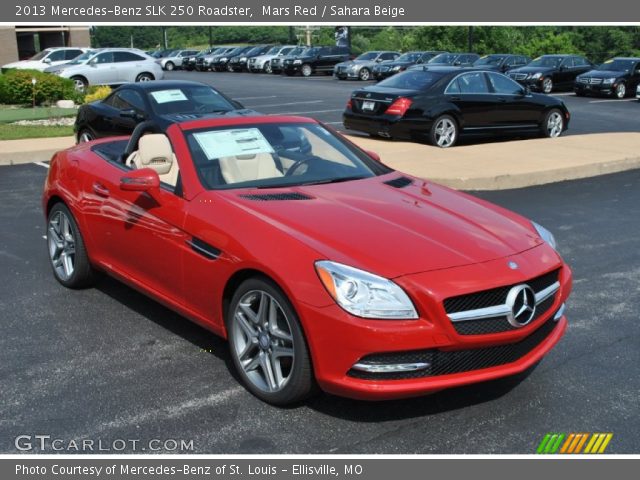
[(273, 51), (312, 51), (196, 99), (368, 56), (447, 58), (82, 58), (286, 51), (490, 60), (254, 51), (411, 80), (297, 51), (617, 65), (547, 62), (275, 155), (40, 55), (409, 57)]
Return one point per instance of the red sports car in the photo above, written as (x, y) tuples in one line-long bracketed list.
[(322, 266)]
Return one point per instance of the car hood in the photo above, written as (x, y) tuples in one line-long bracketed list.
[(392, 231), (605, 74), (25, 64), (533, 69), (182, 117)]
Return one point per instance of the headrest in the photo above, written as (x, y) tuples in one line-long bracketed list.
[(155, 152)]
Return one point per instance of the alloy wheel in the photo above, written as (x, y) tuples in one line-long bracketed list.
[(85, 136), (62, 245), (263, 341), (144, 78), (306, 70), (621, 90), (547, 85), (267, 67), (79, 85), (365, 74), (555, 124), (445, 133), (169, 66)]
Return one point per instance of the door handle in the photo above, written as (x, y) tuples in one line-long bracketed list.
[(100, 190), (502, 99)]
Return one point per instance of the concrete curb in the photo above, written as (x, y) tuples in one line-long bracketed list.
[(487, 166)]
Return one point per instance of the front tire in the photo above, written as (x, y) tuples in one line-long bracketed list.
[(267, 344), (267, 67), (306, 70), (145, 77), (169, 66), (67, 254), (80, 83), (444, 132), (553, 124), (621, 91), (547, 85), (364, 74)]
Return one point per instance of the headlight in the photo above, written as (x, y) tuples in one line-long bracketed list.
[(297, 62), (608, 81), (364, 294), (353, 68), (243, 59), (396, 68), (536, 76), (224, 59), (546, 235)]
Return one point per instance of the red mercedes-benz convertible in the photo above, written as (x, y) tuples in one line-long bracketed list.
[(322, 266)]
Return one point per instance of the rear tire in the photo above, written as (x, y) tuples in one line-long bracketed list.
[(85, 135), (444, 132), (553, 124), (267, 344), (67, 254)]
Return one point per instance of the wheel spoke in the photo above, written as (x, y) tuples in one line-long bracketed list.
[(280, 352), (248, 313), (267, 370), (250, 346), (252, 364), (248, 329), (263, 308)]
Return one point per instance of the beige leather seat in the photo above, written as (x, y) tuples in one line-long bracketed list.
[(154, 151), (245, 168)]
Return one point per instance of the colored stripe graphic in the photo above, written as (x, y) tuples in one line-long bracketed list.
[(572, 443)]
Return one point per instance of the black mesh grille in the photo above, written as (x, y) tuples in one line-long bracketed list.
[(495, 296), (399, 182), (268, 197), (449, 362), (498, 324)]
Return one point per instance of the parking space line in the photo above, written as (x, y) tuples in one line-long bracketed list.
[(42, 164), (254, 98), (306, 113), (286, 104), (615, 100)]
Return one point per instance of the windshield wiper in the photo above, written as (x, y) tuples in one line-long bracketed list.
[(333, 180)]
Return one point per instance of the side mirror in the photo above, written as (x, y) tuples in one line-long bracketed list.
[(374, 156), (525, 91), (457, 63), (143, 180), (47, 60), (132, 114), (378, 60)]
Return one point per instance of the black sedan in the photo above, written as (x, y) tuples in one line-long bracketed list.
[(400, 64), (551, 72), (501, 62), (617, 77), (439, 104), (452, 59), (164, 102), (240, 62)]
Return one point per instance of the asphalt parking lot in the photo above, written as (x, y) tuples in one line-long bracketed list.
[(324, 98), (107, 363)]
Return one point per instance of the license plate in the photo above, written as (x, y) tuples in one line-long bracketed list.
[(370, 106)]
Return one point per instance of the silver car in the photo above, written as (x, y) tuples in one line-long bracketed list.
[(113, 66), (362, 66), (175, 59), (262, 63)]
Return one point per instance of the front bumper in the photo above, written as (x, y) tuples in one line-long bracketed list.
[(534, 84), (592, 89), (339, 341), (291, 68), (347, 74)]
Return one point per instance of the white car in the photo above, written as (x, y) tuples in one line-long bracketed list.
[(47, 58), (174, 60), (262, 63), (113, 66)]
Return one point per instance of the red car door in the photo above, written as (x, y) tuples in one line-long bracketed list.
[(136, 235)]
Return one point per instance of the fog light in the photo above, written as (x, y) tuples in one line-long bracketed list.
[(391, 367)]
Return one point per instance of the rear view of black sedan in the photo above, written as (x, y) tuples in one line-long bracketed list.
[(440, 104), (164, 102), (617, 77)]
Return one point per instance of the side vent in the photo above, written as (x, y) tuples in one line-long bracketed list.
[(399, 182), (270, 197)]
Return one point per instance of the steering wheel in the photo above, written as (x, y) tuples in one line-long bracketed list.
[(296, 165)]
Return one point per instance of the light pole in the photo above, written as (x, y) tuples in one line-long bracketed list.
[(33, 92)]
